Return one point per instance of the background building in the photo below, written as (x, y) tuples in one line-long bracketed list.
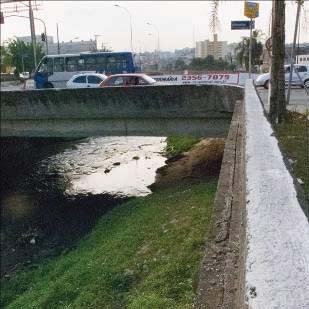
[(302, 59), (71, 47), (218, 49), (27, 39)]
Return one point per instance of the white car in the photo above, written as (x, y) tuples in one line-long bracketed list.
[(86, 80), (24, 75), (303, 71)]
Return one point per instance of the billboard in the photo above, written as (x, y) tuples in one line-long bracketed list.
[(196, 79)]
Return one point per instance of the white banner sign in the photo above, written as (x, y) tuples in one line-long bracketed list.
[(210, 78)]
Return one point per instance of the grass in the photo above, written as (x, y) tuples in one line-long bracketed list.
[(293, 136), (143, 254), (178, 144)]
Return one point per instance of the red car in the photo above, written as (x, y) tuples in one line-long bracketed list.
[(128, 80)]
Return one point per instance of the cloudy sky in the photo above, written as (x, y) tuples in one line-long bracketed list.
[(179, 22)]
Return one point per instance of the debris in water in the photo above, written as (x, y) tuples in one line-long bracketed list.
[(300, 181)]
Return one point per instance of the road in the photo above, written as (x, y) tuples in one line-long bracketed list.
[(16, 85), (299, 101)]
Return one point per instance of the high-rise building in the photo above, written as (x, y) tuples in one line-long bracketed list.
[(218, 49)]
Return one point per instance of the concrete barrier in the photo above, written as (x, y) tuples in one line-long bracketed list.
[(257, 253), (277, 234), (161, 110)]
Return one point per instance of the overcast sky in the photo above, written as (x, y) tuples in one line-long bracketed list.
[(179, 22)]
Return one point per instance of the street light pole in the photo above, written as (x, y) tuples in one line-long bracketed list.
[(33, 38), (158, 41), (158, 35), (45, 32), (131, 32), (58, 44)]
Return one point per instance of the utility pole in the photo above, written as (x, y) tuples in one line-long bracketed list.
[(58, 44), (33, 38), (277, 105), (293, 52)]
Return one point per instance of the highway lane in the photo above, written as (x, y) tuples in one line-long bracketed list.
[(299, 101)]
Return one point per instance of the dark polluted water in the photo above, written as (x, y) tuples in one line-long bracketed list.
[(53, 192)]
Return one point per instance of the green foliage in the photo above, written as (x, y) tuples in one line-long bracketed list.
[(179, 144), (5, 58), (143, 254), (210, 63), (243, 49), (21, 55), (180, 64), (293, 136)]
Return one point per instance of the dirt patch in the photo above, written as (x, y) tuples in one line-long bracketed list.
[(201, 162)]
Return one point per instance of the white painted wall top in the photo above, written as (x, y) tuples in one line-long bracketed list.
[(277, 263)]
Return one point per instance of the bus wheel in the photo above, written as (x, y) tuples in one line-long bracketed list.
[(48, 85)]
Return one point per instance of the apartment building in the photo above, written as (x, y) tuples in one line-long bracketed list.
[(218, 49)]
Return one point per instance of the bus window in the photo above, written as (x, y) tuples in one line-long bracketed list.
[(111, 64), (72, 64), (90, 63), (81, 65), (116, 64), (59, 64), (46, 65)]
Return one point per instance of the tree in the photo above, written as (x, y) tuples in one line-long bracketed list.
[(21, 55), (5, 59), (243, 49), (277, 102), (180, 64), (210, 63)]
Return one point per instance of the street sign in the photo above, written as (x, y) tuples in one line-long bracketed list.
[(242, 24), (251, 9)]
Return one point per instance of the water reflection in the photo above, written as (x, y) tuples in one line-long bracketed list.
[(114, 165), (53, 193)]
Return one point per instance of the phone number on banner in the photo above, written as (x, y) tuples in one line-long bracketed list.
[(212, 78)]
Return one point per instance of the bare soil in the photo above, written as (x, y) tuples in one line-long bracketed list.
[(201, 162)]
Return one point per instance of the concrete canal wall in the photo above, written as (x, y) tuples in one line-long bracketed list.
[(156, 111), (257, 255)]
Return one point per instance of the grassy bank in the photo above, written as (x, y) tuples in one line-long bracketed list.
[(142, 254), (178, 144), (293, 136)]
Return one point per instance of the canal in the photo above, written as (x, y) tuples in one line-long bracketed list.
[(53, 192)]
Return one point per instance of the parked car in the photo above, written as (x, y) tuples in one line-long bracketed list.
[(86, 80), (303, 71), (130, 80), (24, 75)]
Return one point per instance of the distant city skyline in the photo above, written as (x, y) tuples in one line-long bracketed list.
[(179, 23)]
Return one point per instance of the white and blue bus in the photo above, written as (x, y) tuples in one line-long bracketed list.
[(54, 71)]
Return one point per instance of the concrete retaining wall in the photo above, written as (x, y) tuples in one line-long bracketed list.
[(257, 254), (277, 234), (160, 110)]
